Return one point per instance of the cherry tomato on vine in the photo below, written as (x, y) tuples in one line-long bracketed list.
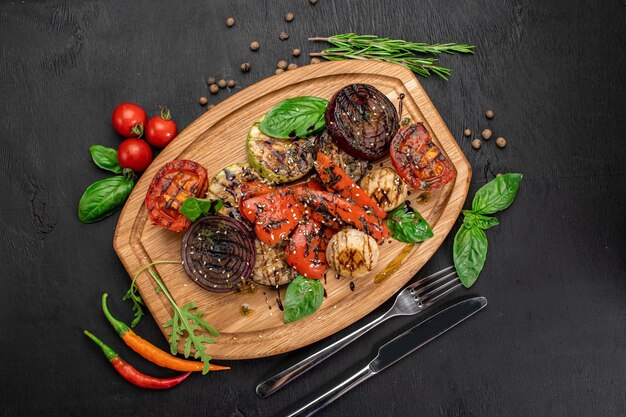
[(161, 130), (135, 154), (129, 120)]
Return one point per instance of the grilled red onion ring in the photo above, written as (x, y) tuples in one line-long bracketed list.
[(362, 121), (218, 253)]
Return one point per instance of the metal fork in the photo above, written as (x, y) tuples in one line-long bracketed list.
[(413, 299)]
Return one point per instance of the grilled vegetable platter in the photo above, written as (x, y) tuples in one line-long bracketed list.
[(335, 193)]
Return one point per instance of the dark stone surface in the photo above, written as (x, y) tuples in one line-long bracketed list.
[(552, 341)]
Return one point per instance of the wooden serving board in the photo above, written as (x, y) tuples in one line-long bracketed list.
[(217, 139)]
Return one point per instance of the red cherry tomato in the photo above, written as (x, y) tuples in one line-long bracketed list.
[(135, 154), (161, 130), (129, 120)]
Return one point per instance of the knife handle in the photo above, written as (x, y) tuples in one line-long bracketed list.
[(273, 384), (331, 395)]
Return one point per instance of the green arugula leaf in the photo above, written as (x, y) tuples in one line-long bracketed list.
[(185, 321), (497, 194), (297, 117), (483, 222), (469, 253), (407, 225), (138, 303), (303, 297), (193, 208), (105, 158)]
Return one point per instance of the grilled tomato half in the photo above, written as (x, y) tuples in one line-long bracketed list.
[(170, 187), (418, 160)]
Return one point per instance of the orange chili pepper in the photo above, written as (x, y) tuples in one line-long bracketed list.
[(150, 351)]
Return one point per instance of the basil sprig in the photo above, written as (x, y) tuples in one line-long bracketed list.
[(105, 158), (104, 197), (407, 225), (303, 297), (470, 243), (193, 208), (297, 117)]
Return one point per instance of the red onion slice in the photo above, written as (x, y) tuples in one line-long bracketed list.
[(218, 253), (362, 121)]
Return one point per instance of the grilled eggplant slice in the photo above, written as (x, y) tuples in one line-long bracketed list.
[(354, 167), (279, 160), (226, 185), (270, 268)]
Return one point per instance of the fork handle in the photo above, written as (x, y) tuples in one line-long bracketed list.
[(332, 394), (273, 384)]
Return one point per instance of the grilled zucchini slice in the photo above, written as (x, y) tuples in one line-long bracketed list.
[(279, 160)]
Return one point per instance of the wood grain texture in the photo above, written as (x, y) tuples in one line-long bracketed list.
[(216, 140), (553, 338)]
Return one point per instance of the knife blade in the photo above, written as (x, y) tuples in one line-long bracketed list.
[(398, 348)]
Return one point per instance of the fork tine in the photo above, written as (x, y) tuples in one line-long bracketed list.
[(422, 281), (430, 301), (421, 291)]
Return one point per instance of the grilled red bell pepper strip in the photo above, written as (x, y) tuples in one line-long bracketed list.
[(274, 215), (348, 212), (306, 250), (256, 189), (312, 185), (132, 375), (336, 179), (151, 352)]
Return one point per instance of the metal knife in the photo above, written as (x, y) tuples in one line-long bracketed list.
[(396, 349)]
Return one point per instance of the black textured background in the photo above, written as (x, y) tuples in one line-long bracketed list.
[(552, 341)]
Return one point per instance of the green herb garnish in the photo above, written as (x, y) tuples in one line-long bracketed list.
[(193, 208), (396, 51), (407, 225), (297, 117), (470, 243), (185, 321), (303, 297)]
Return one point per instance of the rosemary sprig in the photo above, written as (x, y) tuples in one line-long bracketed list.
[(185, 321), (397, 51)]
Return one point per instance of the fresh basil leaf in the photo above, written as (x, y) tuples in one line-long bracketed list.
[(469, 253), (105, 158), (497, 194), (484, 222), (297, 117), (303, 297), (103, 198), (193, 208), (407, 225)]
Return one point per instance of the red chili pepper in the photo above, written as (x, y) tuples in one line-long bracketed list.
[(132, 375)]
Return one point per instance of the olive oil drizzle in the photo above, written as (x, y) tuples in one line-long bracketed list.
[(394, 264)]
